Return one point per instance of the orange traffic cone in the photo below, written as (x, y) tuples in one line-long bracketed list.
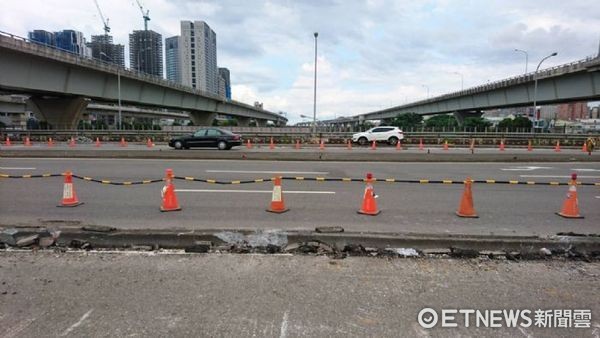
[(374, 145), (369, 206), (584, 148), (398, 145), (557, 147), (466, 209), (7, 142), (69, 198), (277, 204), (50, 142), (501, 145), (169, 199), (349, 146), (529, 147), (297, 144), (570, 208), (421, 146), (322, 145), (446, 145), (72, 142), (97, 145), (123, 143), (149, 143), (271, 145), (27, 141), (248, 144)]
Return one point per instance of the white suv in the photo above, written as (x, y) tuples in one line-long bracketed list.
[(382, 133)]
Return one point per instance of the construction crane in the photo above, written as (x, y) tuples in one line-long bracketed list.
[(144, 15), (104, 22)]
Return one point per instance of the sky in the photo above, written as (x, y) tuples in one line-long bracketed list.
[(371, 54)]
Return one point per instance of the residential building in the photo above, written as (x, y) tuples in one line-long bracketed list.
[(72, 41), (225, 78), (43, 37), (172, 56), (145, 52), (104, 49), (198, 56), (573, 111)]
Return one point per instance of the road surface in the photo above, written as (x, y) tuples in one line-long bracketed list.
[(423, 208), (180, 295)]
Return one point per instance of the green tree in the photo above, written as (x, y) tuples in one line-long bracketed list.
[(441, 121), (506, 124), (522, 122), (479, 123), (518, 123), (407, 120)]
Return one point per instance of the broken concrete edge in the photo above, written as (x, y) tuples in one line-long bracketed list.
[(304, 156), (338, 245)]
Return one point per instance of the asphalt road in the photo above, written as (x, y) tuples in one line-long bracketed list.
[(421, 208), (180, 295)]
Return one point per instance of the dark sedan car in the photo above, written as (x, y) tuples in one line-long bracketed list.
[(207, 137)]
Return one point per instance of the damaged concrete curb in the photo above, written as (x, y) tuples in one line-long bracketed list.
[(337, 244)]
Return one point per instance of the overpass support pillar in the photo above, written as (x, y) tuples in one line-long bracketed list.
[(243, 121), (261, 123), (59, 112), (202, 118), (460, 116)]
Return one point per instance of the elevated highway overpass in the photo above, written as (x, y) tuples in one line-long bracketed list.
[(575, 81), (59, 84)]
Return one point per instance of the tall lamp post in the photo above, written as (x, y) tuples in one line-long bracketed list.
[(118, 86), (316, 34), (462, 80), (535, 88), (427, 87), (526, 57)]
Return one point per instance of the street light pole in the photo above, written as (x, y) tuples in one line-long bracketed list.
[(462, 80), (119, 124), (526, 57), (535, 88), (315, 90), (427, 90)]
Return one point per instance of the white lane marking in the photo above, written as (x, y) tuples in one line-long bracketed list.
[(522, 168), (284, 326), (257, 191), (16, 168), (581, 169), (597, 197), (557, 176), (268, 172), (79, 322)]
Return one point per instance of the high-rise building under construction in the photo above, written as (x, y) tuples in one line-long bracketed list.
[(145, 52)]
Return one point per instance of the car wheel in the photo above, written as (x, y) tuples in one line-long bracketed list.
[(222, 145), (363, 141), (393, 140), (178, 145)]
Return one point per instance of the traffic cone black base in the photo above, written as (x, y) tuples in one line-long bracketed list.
[(70, 205), (278, 211), (375, 213), (567, 216)]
